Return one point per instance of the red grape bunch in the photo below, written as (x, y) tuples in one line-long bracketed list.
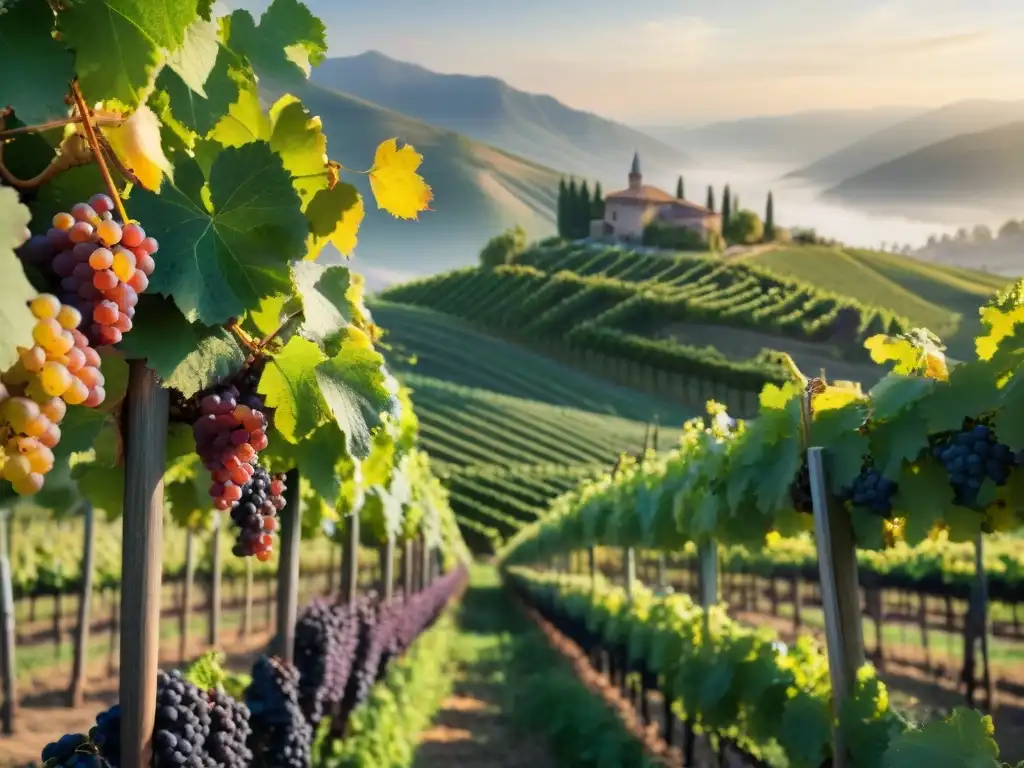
[(229, 434), (102, 264), (58, 370)]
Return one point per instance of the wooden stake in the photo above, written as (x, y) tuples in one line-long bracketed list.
[(7, 630), (629, 569), (141, 560), (592, 565), (246, 630), (185, 619), (388, 555), (425, 565), (708, 588), (408, 568), (837, 563), (350, 584), (213, 629), (662, 572), (84, 611), (288, 568)]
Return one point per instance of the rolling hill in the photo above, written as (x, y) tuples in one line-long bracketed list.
[(910, 135), (478, 190), (782, 139), (972, 170), (489, 110)]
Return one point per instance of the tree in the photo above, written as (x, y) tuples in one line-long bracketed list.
[(726, 205), (981, 234), (744, 227), (1011, 229), (571, 200), (680, 190), (502, 249), (769, 218), (563, 200), (583, 211), (597, 205), (710, 204)]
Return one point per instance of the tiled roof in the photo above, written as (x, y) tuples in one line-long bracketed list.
[(646, 194)]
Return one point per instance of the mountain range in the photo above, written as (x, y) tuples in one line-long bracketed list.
[(486, 109)]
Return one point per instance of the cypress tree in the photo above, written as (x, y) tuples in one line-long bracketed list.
[(680, 192), (726, 205), (583, 211), (769, 218), (710, 204), (571, 201), (562, 200), (597, 207)]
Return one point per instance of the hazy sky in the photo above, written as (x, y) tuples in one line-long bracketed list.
[(666, 61)]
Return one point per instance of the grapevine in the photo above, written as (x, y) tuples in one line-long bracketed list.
[(972, 456), (281, 736), (73, 750), (870, 490)]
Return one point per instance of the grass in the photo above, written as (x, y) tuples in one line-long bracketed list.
[(941, 298)]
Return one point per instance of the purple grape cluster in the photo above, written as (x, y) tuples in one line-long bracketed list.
[(326, 642), (73, 750), (871, 491), (182, 722), (281, 735), (971, 456)]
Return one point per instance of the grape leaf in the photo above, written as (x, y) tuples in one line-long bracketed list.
[(964, 524), (335, 216), (357, 389), (894, 394), (245, 121), (188, 496), (137, 143), (297, 136), (844, 458), (186, 356), (102, 485), (924, 497), (971, 390), (38, 68), (868, 529), (16, 320), (1010, 424), (397, 187), (317, 455), (963, 740), (806, 730), (137, 30), (287, 43), (194, 60), (290, 383), (201, 113), (217, 265), (81, 426), (325, 306), (271, 312), (894, 442)]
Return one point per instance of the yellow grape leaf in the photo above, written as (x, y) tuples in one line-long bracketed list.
[(334, 216), (835, 397), (1000, 324), (775, 398), (399, 190), (136, 142)]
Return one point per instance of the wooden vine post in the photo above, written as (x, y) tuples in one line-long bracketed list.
[(425, 572), (350, 558), (592, 565), (408, 568), (629, 569), (7, 627), (77, 693), (145, 445), (217, 567), (185, 618), (662, 572), (388, 570), (246, 629), (707, 573), (288, 568), (837, 564)]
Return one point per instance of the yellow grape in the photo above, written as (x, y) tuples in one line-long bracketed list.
[(16, 466), (76, 393), (63, 221), (46, 332), (32, 358), (51, 436), (28, 485), (63, 343), (109, 232), (20, 412), (36, 392), (54, 409), (44, 306), (55, 379), (69, 317), (124, 264), (37, 427), (40, 460)]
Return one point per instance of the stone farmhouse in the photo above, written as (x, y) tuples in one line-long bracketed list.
[(628, 211)]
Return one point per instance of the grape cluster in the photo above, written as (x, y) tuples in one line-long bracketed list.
[(800, 491), (58, 370), (73, 750), (971, 456), (229, 434), (182, 722), (872, 491), (281, 735), (106, 735), (326, 640), (102, 265), (227, 745)]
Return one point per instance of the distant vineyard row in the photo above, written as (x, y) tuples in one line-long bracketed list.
[(620, 303)]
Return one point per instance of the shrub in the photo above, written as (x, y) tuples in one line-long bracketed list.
[(744, 227), (502, 249), (659, 235)]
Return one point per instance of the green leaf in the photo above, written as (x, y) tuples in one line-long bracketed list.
[(245, 121), (207, 672), (188, 495), (897, 441), (971, 391), (102, 485), (868, 528), (194, 60), (964, 523), (924, 498), (895, 394), (201, 113), (187, 356), (806, 731), (335, 216), (297, 136), (16, 320), (118, 43), (1010, 423), (37, 68), (844, 458), (271, 312), (291, 385), (963, 740), (218, 265), (324, 292), (81, 426), (317, 455), (287, 42), (357, 389)]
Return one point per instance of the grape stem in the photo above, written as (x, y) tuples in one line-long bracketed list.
[(63, 161), (97, 150), (247, 340), (273, 334), (4, 134)]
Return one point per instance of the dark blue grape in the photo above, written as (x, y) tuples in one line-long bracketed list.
[(972, 456)]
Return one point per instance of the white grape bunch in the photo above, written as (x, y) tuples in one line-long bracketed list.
[(58, 370), (102, 265)]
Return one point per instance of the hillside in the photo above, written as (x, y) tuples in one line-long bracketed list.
[(910, 135), (489, 110), (784, 139), (690, 326), (972, 169), (478, 190)]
